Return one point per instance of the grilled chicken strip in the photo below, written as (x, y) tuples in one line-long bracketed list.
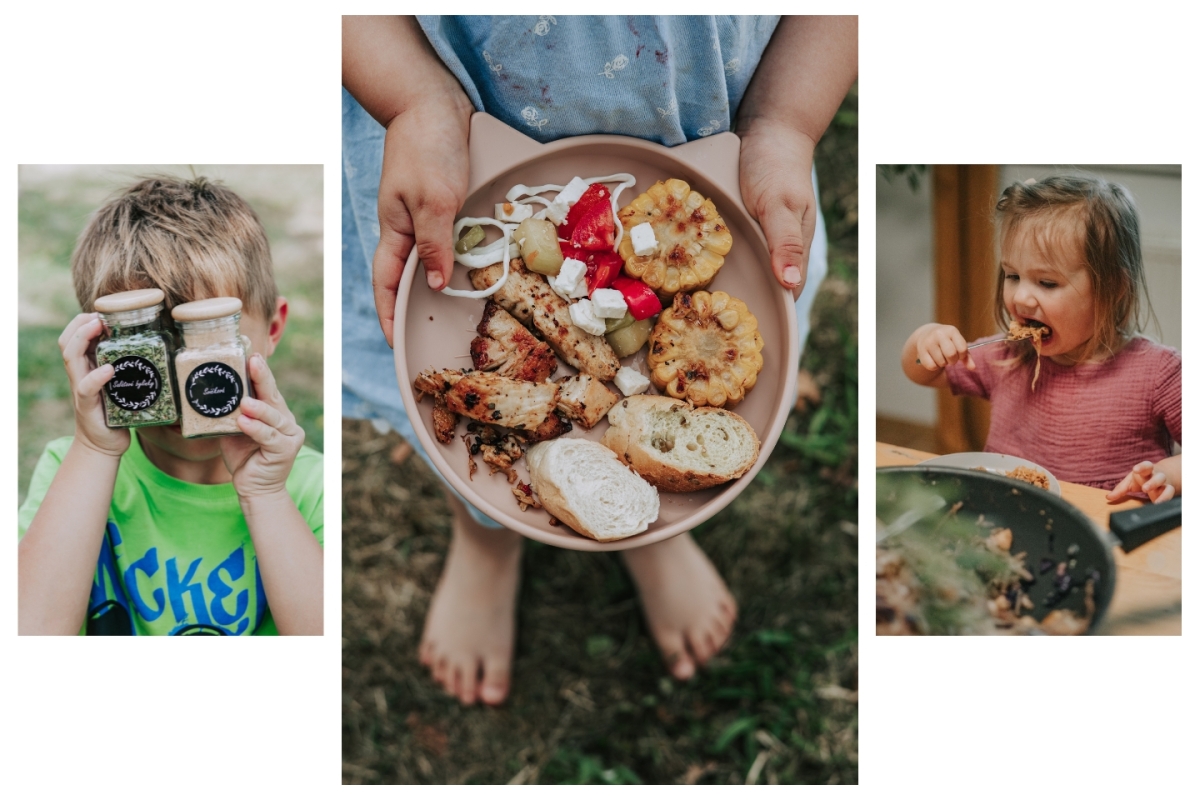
[(491, 398), (528, 297), (444, 420), (585, 399), (506, 347)]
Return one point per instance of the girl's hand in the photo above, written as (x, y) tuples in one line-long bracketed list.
[(939, 346), (261, 461), (77, 343), (776, 184), (1144, 478), (423, 185)]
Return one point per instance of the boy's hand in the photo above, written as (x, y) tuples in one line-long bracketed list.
[(261, 461), (423, 185), (776, 184), (87, 383), (939, 346), (1143, 478)]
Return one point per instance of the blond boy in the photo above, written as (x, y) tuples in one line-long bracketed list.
[(147, 532)]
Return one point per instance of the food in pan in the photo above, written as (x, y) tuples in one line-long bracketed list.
[(706, 348), (948, 575), (684, 243)]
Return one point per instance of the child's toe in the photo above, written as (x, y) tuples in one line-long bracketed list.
[(495, 681), (700, 644), (467, 685), (674, 652), (729, 609), (682, 666), (441, 671)]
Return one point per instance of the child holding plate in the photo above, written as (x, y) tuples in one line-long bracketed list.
[(411, 87)]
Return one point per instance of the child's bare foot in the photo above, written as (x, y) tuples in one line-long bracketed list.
[(687, 605), (468, 638)]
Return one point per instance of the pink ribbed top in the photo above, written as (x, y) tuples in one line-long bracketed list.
[(1089, 423)]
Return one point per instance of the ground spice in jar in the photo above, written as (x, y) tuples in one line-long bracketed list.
[(142, 390), (211, 366)]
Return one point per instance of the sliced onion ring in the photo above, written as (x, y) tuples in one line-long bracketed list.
[(477, 257)]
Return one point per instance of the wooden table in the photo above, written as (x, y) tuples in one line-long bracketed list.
[(1148, 600)]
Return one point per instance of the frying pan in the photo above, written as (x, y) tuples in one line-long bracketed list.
[(1047, 528)]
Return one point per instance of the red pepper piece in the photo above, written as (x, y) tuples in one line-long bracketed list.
[(603, 269), (594, 194), (596, 229), (643, 303)]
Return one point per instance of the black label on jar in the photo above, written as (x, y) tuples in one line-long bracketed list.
[(214, 389), (135, 385)]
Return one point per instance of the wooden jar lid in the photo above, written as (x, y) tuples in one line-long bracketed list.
[(129, 301), (211, 308)]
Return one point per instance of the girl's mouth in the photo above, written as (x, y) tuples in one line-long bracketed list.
[(1048, 332)]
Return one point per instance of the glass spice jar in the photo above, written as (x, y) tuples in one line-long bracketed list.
[(211, 366), (141, 391)]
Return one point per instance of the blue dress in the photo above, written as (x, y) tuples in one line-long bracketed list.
[(665, 79)]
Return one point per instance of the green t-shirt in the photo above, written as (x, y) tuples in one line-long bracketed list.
[(177, 558)]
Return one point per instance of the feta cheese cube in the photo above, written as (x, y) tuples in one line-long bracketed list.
[(556, 212), (571, 193), (571, 276), (585, 318), (513, 212), (642, 239), (630, 381), (609, 303), (579, 289)]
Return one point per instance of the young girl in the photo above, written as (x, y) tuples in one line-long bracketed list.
[(1098, 398)]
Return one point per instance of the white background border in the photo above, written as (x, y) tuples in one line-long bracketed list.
[(227, 83)]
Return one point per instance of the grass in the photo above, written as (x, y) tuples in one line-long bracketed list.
[(591, 701), (54, 206)]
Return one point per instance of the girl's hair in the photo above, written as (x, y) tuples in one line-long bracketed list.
[(1100, 217), (193, 239)]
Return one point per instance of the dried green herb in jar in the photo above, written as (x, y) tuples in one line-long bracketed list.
[(142, 390)]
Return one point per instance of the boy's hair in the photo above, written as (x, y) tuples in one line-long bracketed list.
[(193, 239), (1100, 217)]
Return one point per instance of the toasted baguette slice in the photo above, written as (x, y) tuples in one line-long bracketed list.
[(583, 484), (679, 448)]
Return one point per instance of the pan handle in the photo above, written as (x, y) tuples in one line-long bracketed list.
[(1137, 526)]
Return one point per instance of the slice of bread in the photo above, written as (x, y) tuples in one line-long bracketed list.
[(584, 485), (679, 448)]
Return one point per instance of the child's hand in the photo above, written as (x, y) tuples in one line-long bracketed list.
[(423, 185), (261, 461), (776, 184), (1144, 479), (87, 382), (938, 346)]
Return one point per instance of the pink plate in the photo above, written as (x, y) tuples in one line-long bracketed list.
[(434, 330)]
